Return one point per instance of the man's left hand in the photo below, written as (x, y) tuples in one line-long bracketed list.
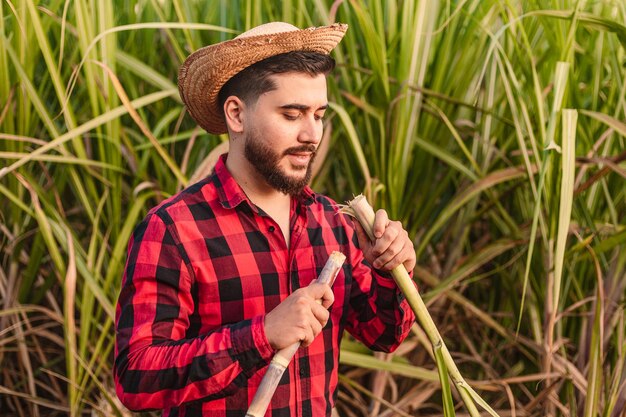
[(392, 246)]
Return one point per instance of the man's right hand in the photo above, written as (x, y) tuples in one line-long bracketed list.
[(299, 317)]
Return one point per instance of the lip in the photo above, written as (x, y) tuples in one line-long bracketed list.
[(299, 158)]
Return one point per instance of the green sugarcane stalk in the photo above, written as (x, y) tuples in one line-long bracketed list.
[(364, 213)]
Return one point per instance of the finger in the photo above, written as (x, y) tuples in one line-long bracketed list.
[(308, 338), (328, 298), (391, 264), (302, 335), (314, 328), (319, 291), (410, 261), (381, 221), (391, 235), (409, 265), (390, 255), (321, 316), (406, 257)]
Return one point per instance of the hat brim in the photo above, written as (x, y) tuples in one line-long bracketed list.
[(205, 71)]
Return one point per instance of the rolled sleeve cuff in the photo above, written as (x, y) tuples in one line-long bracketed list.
[(250, 345), (385, 279), (260, 339)]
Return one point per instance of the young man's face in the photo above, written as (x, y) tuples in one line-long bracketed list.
[(284, 128)]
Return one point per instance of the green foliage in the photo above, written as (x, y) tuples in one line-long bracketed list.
[(493, 129)]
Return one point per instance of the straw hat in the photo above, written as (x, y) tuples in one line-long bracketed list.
[(205, 71)]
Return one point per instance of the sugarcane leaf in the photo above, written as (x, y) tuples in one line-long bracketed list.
[(446, 392)]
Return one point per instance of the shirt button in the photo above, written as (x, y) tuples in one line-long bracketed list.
[(271, 229)]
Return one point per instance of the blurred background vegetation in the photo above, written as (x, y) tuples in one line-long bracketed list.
[(494, 129)]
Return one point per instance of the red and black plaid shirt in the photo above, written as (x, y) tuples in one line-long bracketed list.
[(203, 269)]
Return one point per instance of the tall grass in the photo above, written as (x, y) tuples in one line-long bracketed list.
[(472, 137), (493, 129)]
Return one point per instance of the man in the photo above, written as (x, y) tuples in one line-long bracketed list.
[(217, 277)]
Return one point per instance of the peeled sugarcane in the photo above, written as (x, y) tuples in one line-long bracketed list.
[(363, 212), (283, 357)]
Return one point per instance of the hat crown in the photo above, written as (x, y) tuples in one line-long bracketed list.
[(205, 71), (268, 29)]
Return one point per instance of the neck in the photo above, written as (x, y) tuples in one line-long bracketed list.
[(276, 204), (255, 187), (273, 202)]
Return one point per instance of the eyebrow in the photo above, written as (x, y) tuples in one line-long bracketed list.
[(297, 106)]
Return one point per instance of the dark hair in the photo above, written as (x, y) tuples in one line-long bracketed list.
[(251, 82)]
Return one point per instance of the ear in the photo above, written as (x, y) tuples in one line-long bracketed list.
[(233, 113)]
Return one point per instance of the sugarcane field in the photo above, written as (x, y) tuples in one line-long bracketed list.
[(341, 208)]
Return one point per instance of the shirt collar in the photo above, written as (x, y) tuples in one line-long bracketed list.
[(231, 194)]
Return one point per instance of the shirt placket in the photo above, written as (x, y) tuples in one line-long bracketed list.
[(294, 284), (277, 240)]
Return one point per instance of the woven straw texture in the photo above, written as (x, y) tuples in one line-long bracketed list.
[(204, 72)]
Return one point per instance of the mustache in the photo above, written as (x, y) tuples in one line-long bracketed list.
[(302, 148)]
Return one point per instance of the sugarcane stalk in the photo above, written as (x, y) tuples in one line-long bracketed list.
[(283, 357), (364, 213)]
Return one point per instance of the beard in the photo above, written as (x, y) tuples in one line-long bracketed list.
[(266, 162)]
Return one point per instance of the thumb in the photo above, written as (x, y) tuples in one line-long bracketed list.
[(322, 293)]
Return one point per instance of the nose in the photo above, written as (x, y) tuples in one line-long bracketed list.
[(311, 130)]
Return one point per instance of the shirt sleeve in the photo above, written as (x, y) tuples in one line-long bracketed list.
[(156, 365), (379, 315)]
